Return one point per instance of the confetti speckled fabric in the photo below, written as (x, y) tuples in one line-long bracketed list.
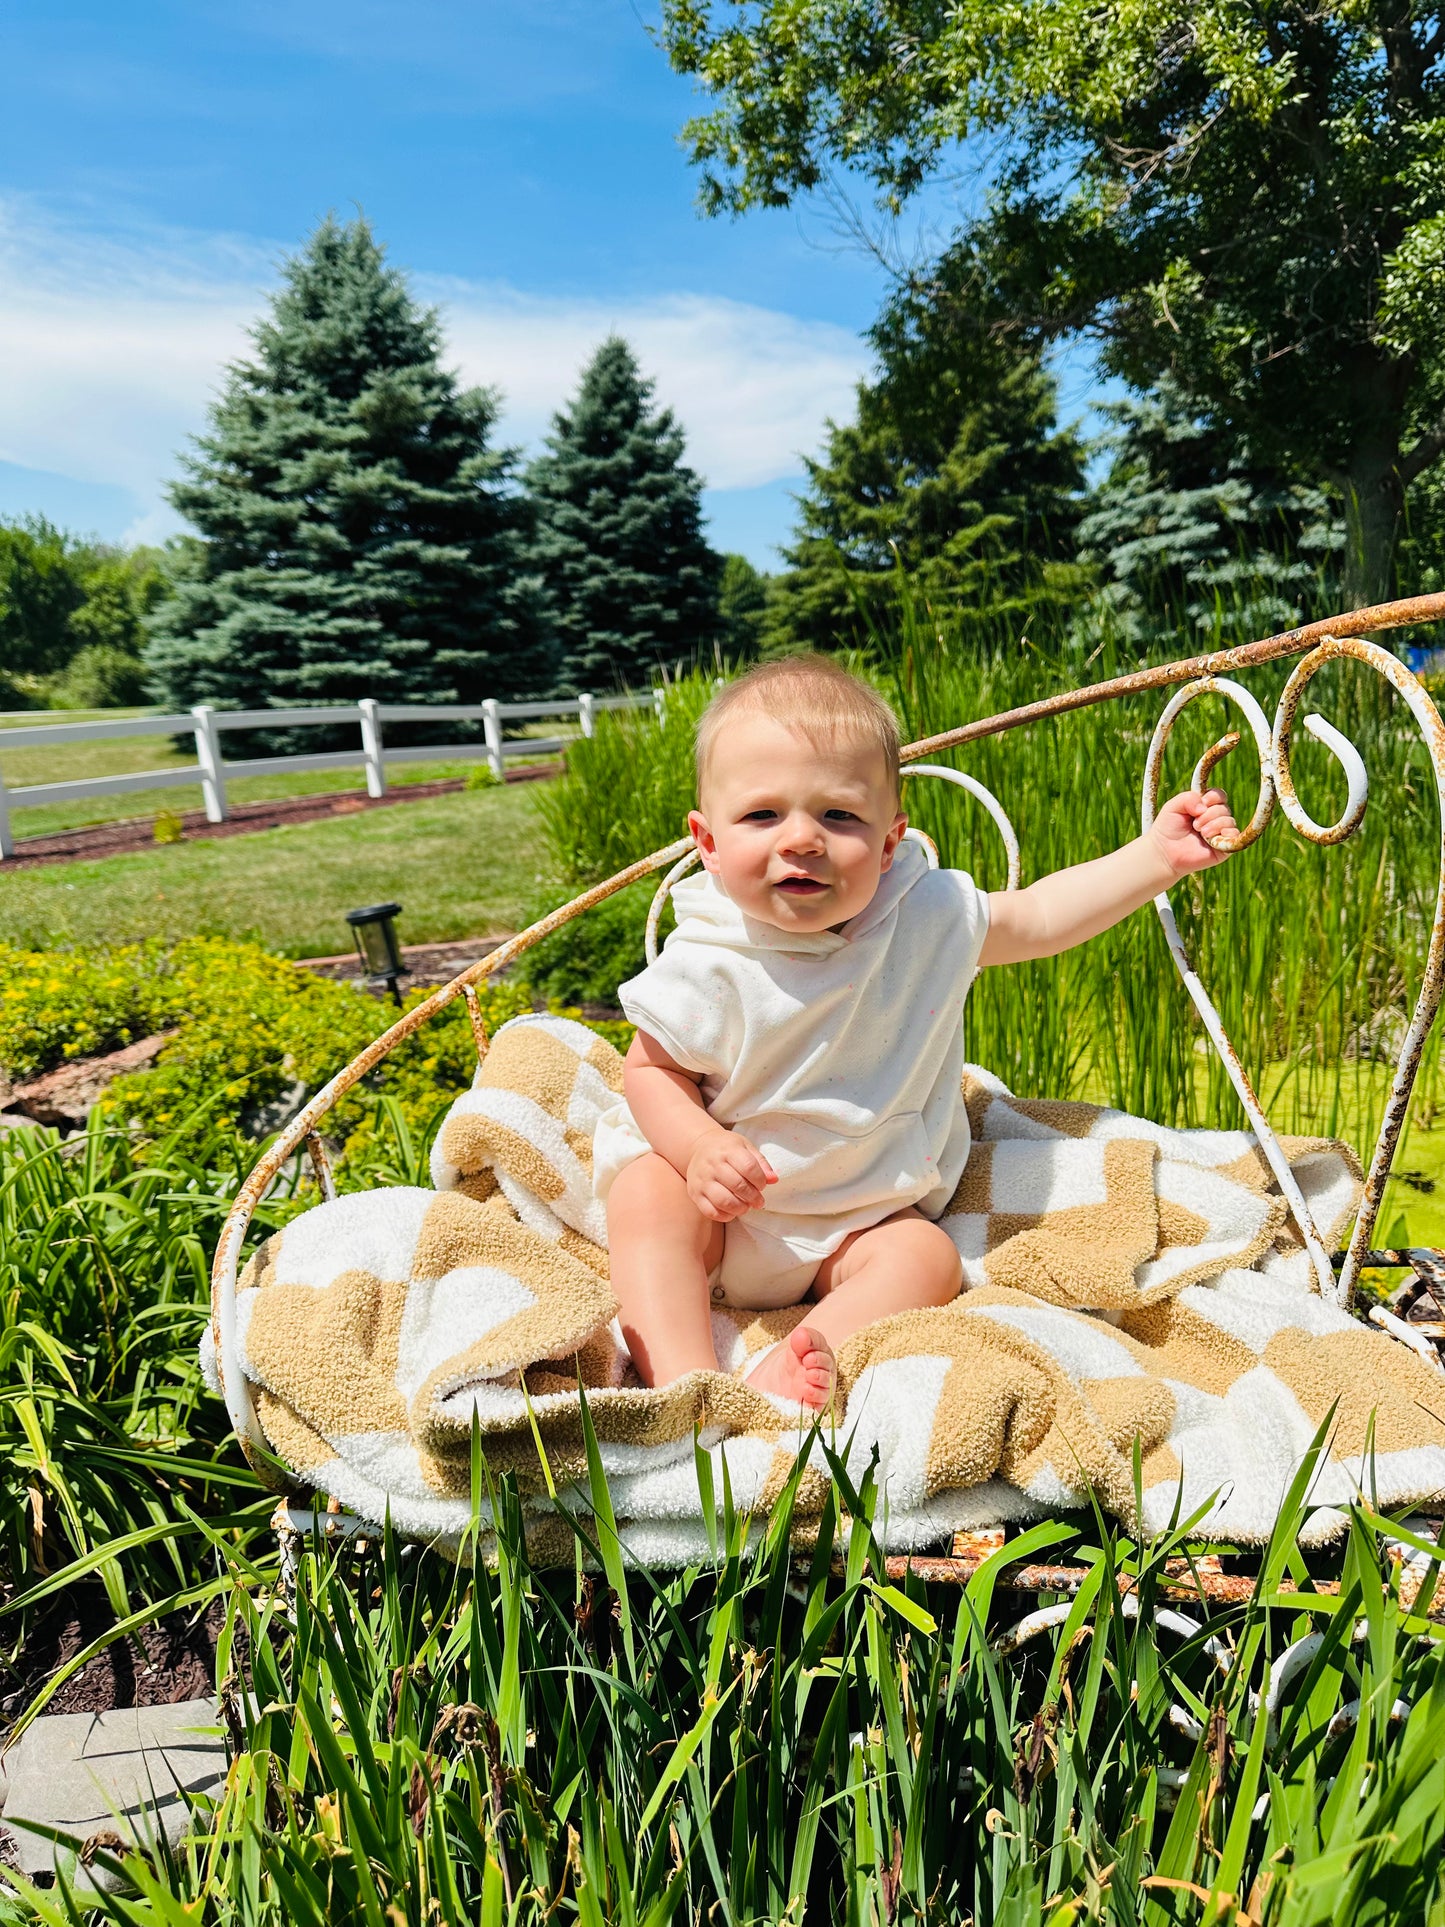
[(1127, 1288)]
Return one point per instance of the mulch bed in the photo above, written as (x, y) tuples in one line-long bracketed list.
[(138, 832), (176, 1660)]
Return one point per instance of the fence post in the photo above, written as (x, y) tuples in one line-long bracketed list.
[(585, 716), (7, 841), (208, 760), (371, 747), (492, 729)]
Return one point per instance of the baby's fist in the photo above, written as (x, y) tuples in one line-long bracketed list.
[(1183, 825), (725, 1176)]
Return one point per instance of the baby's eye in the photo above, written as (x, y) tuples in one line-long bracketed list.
[(840, 816), (760, 816)]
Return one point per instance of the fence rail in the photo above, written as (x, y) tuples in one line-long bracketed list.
[(211, 769)]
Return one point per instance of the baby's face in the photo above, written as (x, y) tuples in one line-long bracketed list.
[(798, 835)]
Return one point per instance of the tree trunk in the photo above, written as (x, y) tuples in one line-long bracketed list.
[(1374, 503), (1374, 487)]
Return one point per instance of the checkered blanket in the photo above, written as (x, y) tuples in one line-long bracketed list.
[(1132, 1293)]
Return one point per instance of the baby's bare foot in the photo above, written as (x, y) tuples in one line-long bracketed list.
[(802, 1367)]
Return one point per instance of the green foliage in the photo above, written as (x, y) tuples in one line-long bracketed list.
[(39, 594), (56, 1004), (111, 1448), (742, 604), (99, 676), (1249, 200), (360, 531), (253, 1036), (72, 616), (627, 789), (631, 581), (585, 961), (765, 1737), (954, 468), (1183, 526)]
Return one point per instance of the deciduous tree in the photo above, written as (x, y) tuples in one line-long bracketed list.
[(1249, 199)]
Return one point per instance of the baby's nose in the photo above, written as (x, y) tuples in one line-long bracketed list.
[(801, 832)]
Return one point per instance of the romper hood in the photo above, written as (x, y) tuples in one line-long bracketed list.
[(707, 914)]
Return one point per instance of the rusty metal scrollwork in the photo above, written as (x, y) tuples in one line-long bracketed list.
[(1272, 744)]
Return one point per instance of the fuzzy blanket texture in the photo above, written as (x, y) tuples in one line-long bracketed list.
[(1128, 1289)]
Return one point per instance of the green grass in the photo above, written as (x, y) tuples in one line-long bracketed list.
[(462, 865), (121, 755)]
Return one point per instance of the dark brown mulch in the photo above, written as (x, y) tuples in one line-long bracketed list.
[(138, 832), (177, 1660)]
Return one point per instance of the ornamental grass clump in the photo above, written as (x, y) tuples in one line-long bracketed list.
[(780, 1735)]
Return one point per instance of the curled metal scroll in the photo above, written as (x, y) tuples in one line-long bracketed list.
[(989, 801), (1276, 784), (930, 849)]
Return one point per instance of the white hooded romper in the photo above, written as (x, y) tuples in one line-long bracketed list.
[(838, 1055)]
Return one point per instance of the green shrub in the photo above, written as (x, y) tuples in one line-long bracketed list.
[(585, 961), (100, 676), (254, 1036), (60, 1004)]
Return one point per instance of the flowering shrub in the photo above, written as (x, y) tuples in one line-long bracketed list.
[(254, 1035), (60, 1004)]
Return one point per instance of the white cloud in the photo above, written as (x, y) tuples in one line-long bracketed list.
[(113, 345)]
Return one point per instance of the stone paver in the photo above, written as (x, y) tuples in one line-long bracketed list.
[(128, 1772)]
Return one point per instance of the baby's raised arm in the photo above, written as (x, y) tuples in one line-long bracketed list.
[(725, 1176), (1073, 905)]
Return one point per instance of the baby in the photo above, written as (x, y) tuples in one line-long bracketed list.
[(792, 1121)]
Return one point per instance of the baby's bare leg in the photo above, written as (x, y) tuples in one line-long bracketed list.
[(661, 1250), (903, 1264)]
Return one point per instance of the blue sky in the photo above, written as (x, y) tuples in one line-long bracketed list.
[(519, 160)]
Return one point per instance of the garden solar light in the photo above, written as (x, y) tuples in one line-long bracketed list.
[(376, 945)]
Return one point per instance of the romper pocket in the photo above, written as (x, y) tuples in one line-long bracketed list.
[(827, 1172)]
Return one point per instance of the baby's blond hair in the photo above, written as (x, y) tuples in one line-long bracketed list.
[(810, 695)]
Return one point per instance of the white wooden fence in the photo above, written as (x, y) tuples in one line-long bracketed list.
[(211, 770)]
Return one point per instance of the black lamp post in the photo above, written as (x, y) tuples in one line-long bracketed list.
[(377, 947)]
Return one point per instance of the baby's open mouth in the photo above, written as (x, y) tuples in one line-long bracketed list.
[(801, 886)]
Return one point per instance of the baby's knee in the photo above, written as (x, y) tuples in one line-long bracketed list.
[(650, 1195), (936, 1265)]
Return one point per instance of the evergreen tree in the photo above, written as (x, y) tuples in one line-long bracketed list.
[(1191, 531), (742, 607), (359, 533), (954, 470), (630, 577)]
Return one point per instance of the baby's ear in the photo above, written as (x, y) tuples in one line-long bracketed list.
[(702, 836), (892, 840)]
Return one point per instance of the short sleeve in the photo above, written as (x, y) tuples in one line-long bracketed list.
[(968, 917), (691, 1006)]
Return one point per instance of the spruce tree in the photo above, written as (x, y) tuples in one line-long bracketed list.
[(1193, 533), (630, 578), (360, 534), (954, 471)]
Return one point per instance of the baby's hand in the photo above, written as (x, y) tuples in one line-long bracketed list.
[(725, 1176), (1185, 821)]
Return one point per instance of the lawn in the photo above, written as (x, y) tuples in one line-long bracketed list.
[(462, 865), (120, 755)]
